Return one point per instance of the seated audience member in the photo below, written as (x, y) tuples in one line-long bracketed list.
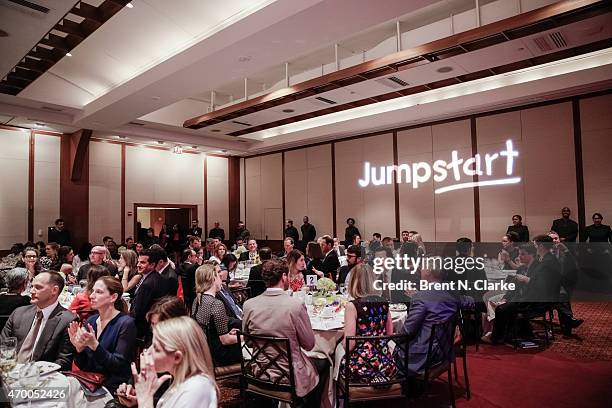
[(353, 258), (219, 253), (541, 289), (186, 272), (40, 328), (50, 257), (340, 249), (179, 349), (81, 304), (427, 308), (128, 270), (330, 265), (63, 263), (16, 281), (597, 232), (30, 263), (387, 242), (569, 278), (386, 274), (409, 250), (229, 263), (367, 315), (356, 240), (10, 261), (150, 288), (97, 256), (274, 313), (315, 259), (470, 275), (210, 313), (288, 245), (139, 247), (106, 344), (565, 227), (521, 230), (255, 281), (165, 308), (418, 239), (164, 268), (508, 255), (375, 243), (297, 266), (251, 253), (238, 248), (113, 250), (232, 308), (81, 258), (195, 242)]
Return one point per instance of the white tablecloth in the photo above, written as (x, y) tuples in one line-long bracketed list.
[(54, 380)]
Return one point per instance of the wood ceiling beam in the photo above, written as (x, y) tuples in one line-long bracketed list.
[(88, 12)]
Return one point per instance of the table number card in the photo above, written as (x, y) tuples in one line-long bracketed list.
[(311, 280)]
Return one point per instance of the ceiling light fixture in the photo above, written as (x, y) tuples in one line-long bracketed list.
[(244, 58), (161, 142), (215, 130), (288, 110), (544, 71), (444, 70), (68, 54), (177, 150), (194, 147), (129, 5)]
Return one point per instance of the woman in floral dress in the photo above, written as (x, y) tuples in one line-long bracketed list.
[(296, 264), (367, 315)]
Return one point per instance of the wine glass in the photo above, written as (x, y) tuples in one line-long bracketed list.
[(344, 290), (8, 354)]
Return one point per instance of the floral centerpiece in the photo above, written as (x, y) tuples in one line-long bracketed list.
[(326, 288)]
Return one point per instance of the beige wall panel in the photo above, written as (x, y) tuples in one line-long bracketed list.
[(499, 203), (14, 152), (272, 195), (296, 160), (104, 191), (158, 177), (454, 210), (46, 184), (549, 165), (596, 123), (373, 207), (218, 192), (416, 206), (320, 202), (254, 213)]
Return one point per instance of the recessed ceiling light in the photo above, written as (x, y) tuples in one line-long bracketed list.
[(68, 54), (288, 110), (160, 142), (444, 70), (244, 58), (156, 98), (194, 147), (215, 130), (129, 5)]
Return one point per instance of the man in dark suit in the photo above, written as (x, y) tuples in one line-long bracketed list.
[(256, 282), (59, 234), (195, 230), (565, 227), (541, 288), (186, 271), (217, 232), (353, 258), (427, 308), (350, 232), (288, 245), (330, 258), (163, 267), (309, 232), (150, 288), (251, 252), (41, 328), (291, 231), (96, 257)]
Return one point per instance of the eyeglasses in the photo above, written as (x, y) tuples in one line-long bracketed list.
[(31, 256)]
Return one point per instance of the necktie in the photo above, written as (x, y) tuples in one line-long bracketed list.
[(25, 353), (139, 283), (235, 307)]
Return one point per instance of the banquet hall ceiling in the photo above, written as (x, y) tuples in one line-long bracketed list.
[(151, 67)]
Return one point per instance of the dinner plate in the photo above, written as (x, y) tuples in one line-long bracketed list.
[(45, 367), (398, 307)]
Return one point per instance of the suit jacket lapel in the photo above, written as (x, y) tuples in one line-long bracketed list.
[(47, 332), (26, 320)]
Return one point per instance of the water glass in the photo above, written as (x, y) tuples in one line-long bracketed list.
[(8, 354)]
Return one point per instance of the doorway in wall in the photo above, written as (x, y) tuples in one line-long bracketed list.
[(156, 216)]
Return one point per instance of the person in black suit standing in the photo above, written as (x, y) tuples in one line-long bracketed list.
[(163, 267), (59, 234), (330, 258), (565, 227), (217, 232), (41, 328), (256, 282), (309, 232), (350, 232), (597, 232), (518, 227), (150, 288), (195, 230), (291, 231)]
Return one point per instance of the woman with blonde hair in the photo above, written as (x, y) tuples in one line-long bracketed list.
[(418, 239), (128, 271), (179, 348), (368, 315), (210, 314), (219, 253)]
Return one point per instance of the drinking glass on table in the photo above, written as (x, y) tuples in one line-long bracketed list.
[(8, 354), (343, 289), (319, 304)]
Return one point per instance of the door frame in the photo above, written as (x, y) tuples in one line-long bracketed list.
[(193, 213)]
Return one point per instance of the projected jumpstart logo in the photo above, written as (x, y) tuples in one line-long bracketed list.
[(421, 172)]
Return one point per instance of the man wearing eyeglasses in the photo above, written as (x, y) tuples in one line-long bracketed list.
[(97, 256), (353, 258)]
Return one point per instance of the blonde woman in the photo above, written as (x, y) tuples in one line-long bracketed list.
[(219, 253), (179, 348), (418, 239), (129, 272)]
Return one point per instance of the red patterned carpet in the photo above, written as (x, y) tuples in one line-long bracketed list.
[(575, 372)]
